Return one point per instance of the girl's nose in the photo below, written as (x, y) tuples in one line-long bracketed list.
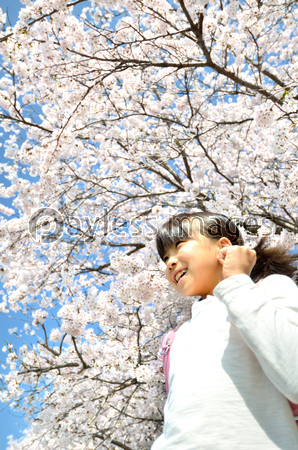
[(171, 263)]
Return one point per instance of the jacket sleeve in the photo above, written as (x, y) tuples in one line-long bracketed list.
[(267, 319)]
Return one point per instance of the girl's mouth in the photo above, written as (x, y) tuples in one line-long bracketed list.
[(180, 275)]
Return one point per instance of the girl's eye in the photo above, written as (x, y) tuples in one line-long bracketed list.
[(176, 245)]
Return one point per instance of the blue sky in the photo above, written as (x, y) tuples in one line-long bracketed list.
[(11, 423)]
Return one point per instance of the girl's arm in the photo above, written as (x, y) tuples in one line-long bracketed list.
[(267, 319)]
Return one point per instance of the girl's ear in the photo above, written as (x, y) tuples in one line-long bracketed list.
[(223, 242)]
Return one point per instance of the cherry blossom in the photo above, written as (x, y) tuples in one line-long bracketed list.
[(119, 114)]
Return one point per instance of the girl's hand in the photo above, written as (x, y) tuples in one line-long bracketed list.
[(236, 260)]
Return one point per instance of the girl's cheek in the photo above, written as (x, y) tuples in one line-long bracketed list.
[(169, 278)]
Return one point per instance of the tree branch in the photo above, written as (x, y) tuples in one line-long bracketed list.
[(113, 441), (85, 365), (48, 369), (23, 121), (213, 162)]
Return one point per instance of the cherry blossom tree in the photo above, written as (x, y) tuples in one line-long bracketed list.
[(118, 116)]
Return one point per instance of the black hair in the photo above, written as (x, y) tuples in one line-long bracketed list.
[(184, 226)]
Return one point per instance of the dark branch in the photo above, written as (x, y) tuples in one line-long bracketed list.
[(48, 369), (113, 441)]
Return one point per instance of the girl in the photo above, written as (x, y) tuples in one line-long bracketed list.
[(234, 364)]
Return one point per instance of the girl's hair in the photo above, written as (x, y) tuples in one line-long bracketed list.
[(183, 226)]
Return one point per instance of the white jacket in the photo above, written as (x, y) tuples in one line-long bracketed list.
[(232, 366)]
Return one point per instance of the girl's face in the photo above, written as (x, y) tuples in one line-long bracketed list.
[(193, 267)]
